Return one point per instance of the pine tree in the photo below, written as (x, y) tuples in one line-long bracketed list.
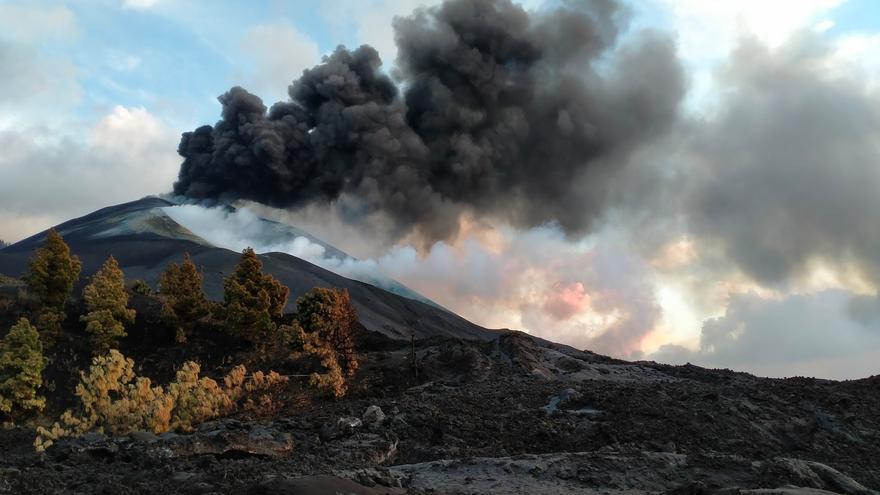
[(254, 302), (21, 369), (52, 272), (51, 275), (183, 300), (49, 322), (327, 325), (107, 304)]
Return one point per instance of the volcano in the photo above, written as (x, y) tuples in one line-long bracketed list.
[(458, 409), (144, 238)]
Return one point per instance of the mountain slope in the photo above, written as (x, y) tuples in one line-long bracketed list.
[(144, 239)]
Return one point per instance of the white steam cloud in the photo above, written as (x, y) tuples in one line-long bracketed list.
[(589, 296), (237, 229)]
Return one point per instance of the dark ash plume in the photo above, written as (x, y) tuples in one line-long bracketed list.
[(513, 115)]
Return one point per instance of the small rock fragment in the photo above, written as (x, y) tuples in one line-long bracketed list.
[(341, 427)]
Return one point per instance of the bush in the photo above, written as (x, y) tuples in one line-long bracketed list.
[(254, 393), (327, 324), (254, 303), (107, 305), (21, 369), (183, 300), (196, 399), (114, 400)]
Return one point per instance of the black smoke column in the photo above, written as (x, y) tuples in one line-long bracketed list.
[(505, 114)]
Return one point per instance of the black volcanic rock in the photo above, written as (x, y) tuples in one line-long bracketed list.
[(449, 431)]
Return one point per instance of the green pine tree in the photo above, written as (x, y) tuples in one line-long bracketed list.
[(107, 305), (52, 272), (21, 369), (254, 302), (183, 300), (51, 275)]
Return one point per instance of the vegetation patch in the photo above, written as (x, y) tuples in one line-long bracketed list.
[(113, 399)]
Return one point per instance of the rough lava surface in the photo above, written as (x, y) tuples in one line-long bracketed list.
[(514, 415)]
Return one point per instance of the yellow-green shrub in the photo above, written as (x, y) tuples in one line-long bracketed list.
[(115, 400), (196, 399), (254, 392)]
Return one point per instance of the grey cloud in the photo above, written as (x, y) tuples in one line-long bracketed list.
[(787, 174), (806, 334)]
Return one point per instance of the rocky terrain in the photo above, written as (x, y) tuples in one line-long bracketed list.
[(513, 415), (439, 405)]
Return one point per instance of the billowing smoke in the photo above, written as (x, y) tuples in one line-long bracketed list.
[(588, 296), (502, 113)]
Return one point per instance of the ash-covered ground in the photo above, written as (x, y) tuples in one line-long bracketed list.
[(513, 415)]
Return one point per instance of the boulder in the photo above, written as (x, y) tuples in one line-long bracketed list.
[(225, 438), (340, 427), (373, 416)]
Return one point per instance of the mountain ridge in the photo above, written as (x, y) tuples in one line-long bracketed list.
[(145, 240)]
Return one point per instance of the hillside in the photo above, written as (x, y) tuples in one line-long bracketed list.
[(145, 240), (513, 416)]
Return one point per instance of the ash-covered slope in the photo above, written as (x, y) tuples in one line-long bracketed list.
[(145, 239), (515, 415)]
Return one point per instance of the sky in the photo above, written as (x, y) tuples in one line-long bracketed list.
[(741, 233)]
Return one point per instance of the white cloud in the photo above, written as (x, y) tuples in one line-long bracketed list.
[(800, 334), (36, 24), (139, 4), (36, 86), (708, 31), (123, 62), (47, 176), (279, 53), (857, 56), (17, 226)]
